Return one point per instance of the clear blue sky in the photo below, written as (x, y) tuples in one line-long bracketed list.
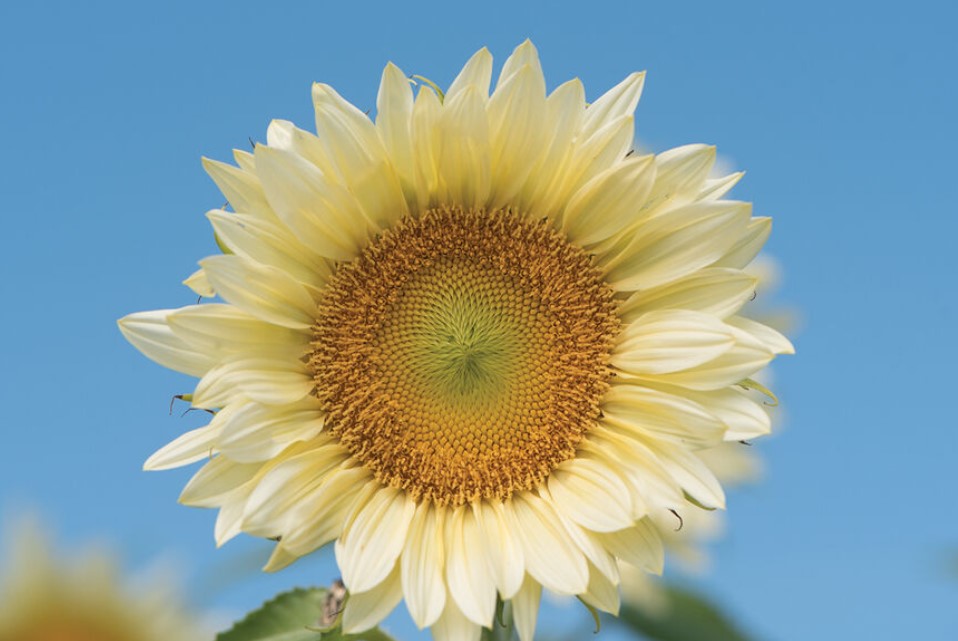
[(843, 114)]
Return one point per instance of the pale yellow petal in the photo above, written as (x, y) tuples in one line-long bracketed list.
[(716, 291), (677, 243), (501, 547), (748, 245), (265, 292), (188, 448), (224, 329), (464, 154), (468, 572), (422, 562), (216, 479), (591, 495), (525, 608), (372, 542), (269, 243), (269, 380), (150, 333), (476, 74), (365, 610), (322, 213), (669, 341), (550, 556), (609, 202)]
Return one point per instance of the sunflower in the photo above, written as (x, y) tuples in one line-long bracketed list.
[(48, 599), (476, 343)]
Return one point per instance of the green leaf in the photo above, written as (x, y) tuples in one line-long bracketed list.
[(688, 617), (295, 616), (288, 617)]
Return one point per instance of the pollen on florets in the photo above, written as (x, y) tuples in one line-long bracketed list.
[(464, 354)]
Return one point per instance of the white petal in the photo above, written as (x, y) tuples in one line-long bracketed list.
[(464, 161), (365, 610), (150, 333), (322, 515), (516, 118), (552, 558), (591, 495), (476, 75), (372, 542), (200, 284), (772, 338), (525, 608), (669, 341), (224, 329), (265, 292), (680, 175), (242, 189), (748, 356), (426, 139), (744, 418), (394, 109), (715, 188), (353, 144), (193, 446), (748, 246), (216, 479), (320, 212), (639, 545), (255, 432), (286, 486), (422, 566), (229, 520), (602, 593), (650, 484), (673, 417), (716, 291), (609, 202), (677, 243), (565, 109), (619, 101), (273, 381), (269, 243), (468, 573), (524, 54), (501, 546), (454, 626), (691, 473)]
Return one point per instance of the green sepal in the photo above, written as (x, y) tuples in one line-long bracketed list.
[(752, 384), (432, 85)]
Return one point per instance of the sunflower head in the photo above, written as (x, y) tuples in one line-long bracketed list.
[(477, 342)]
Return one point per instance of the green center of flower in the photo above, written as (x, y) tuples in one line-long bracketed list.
[(464, 354)]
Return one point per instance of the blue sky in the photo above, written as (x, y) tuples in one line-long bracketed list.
[(843, 115)]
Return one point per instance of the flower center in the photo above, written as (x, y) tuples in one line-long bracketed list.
[(463, 354)]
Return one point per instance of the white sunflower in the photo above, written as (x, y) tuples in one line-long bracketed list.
[(84, 599), (475, 343)]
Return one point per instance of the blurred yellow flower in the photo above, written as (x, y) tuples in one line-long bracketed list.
[(476, 343), (49, 599)]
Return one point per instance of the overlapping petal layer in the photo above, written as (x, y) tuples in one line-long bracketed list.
[(662, 239)]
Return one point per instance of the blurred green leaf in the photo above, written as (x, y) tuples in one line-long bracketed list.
[(688, 617)]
